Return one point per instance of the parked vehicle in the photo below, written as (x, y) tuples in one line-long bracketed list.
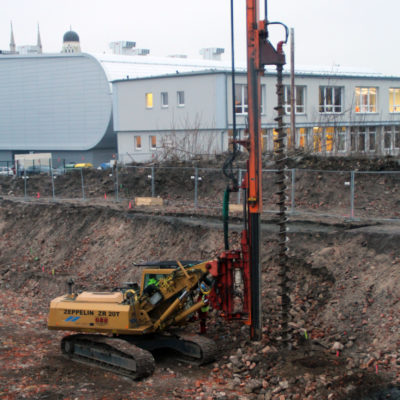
[(70, 165), (104, 166), (83, 165), (6, 171)]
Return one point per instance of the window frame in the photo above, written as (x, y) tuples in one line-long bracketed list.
[(179, 103), (342, 140), (243, 105), (149, 100), (286, 99), (360, 139), (361, 108), (323, 106), (394, 108), (244, 100), (138, 142), (163, 96), (151, 147), (393, 133)]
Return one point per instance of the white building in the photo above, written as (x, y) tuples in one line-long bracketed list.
[(62, 103), (337, 113)]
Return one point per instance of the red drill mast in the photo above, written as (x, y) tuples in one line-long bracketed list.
[(246, 262)]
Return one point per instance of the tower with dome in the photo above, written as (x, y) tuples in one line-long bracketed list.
[(71, 43)]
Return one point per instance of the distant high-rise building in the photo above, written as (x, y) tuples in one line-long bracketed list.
[(122, 47), (127, 48), (212, 53)]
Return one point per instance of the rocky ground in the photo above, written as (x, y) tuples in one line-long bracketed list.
[(345, 305)]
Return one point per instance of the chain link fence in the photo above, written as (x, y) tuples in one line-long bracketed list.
[(344, 194)]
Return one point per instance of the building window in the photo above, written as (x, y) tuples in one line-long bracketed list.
[(362, 139), (372, 138), (241, 100), (275, 135), (353, 137), (180, 98), (391, 137), (164, 99), (264, 140), (299, 99), (366, 99), (138, 143), (329, 133), (387, 138), (262, 108), (341, 146), (330, 99), (149, 100), (153, 142), (302, 134), (317, 136), (394, 100)]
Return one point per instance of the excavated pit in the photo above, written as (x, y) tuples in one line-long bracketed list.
[(344, 283)]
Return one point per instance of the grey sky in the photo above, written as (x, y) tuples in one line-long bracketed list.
[(354, 33)]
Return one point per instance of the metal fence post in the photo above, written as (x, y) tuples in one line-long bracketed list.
[(239, 195), (117, 182), (25, 182), (352, 184), (293, 189), (196, 178), (83, 185), (153, 189), (52, 185), (52, 179)]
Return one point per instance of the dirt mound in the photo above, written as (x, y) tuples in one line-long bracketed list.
[(345, 311)]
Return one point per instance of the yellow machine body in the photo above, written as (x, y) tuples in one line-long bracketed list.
[(129, 311)]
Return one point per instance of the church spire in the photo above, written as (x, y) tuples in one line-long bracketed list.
[(39, 42), (12, 41)]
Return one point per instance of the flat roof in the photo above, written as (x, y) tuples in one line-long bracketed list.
[(128, 67)]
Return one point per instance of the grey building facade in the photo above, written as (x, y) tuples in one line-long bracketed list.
[(56, 103), (62, 103), (337, 113)]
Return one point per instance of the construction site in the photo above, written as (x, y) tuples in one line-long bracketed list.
[(343, 284), (243, 275)]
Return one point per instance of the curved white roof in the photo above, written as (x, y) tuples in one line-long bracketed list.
[(132, 66), (53, 102)]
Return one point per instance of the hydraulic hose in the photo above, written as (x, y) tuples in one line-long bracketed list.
[(225, 216)]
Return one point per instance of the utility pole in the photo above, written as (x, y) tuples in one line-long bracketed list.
[(293, 93)]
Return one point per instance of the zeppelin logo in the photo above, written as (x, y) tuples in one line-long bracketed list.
[(78, 312), (71, 319)]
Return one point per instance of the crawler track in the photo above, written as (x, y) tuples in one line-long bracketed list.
[(207, 348), (111, 354)]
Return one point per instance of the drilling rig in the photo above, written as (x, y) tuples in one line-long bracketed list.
[(119, 330)]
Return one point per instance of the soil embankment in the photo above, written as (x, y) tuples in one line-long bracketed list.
[(345, 305)]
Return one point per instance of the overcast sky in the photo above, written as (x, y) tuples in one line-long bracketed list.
[(351, 33)]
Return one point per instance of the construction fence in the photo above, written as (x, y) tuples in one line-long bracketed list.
[(346, 194)]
